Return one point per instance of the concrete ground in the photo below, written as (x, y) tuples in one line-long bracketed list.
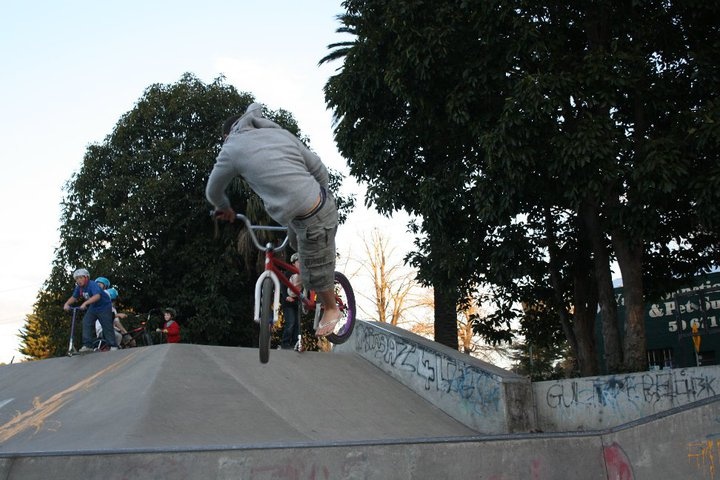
[(190, 411)]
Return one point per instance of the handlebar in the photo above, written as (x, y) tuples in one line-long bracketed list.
[(268, 228)]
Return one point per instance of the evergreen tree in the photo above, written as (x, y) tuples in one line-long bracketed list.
[(36, 340)]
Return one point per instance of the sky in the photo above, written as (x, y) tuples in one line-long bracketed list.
[(72, 68)]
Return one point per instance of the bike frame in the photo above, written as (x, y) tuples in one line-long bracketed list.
[(140, 331), (136, 333), (274, 269)]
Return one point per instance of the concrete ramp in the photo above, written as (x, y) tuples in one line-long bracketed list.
[(186, 396), (188, 412)]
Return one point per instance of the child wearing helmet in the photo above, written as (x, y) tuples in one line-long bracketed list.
[(118, 327), (98, 306), (171, 328)]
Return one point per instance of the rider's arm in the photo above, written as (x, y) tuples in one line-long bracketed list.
[(91, 300), (77, 292), (70, 301), (118, 325), (222, 174)]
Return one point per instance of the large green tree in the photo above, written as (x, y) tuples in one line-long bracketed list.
[(136, 213), (538, 142)]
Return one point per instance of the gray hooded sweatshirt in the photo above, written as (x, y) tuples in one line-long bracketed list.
[(284, 173)]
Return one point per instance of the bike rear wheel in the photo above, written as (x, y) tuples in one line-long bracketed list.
[(266, 318), (345, 299)]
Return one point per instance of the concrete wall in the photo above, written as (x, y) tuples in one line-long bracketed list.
[(675, 445), (607, 401), (494, 401), (480, 395)]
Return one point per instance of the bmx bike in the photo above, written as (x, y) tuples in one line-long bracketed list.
[(140, 335), (267, 293)]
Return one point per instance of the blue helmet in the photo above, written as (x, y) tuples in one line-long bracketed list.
[(104, 281), (112, 292)]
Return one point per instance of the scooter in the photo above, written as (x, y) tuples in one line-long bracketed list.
[(71, 348)]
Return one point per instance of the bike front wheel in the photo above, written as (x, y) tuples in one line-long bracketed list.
[(345, 299), (266, 318)]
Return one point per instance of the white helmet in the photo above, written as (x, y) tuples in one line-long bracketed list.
[(81, 272)]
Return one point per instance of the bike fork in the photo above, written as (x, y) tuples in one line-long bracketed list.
[(276, 295)]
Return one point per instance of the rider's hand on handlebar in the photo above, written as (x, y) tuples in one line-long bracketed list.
[(227, 214)]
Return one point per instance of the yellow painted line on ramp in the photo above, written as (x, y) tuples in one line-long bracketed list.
[(41, 410)]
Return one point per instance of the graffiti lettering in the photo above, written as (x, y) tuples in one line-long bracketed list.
[(476, 388), (703, 454), (677, 387)]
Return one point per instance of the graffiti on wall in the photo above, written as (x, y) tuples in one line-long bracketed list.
[(676, 387), (704, 454), (476, 389), (617, 463)]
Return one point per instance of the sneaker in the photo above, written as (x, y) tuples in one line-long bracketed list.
[(85, 349), (113, 348)]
